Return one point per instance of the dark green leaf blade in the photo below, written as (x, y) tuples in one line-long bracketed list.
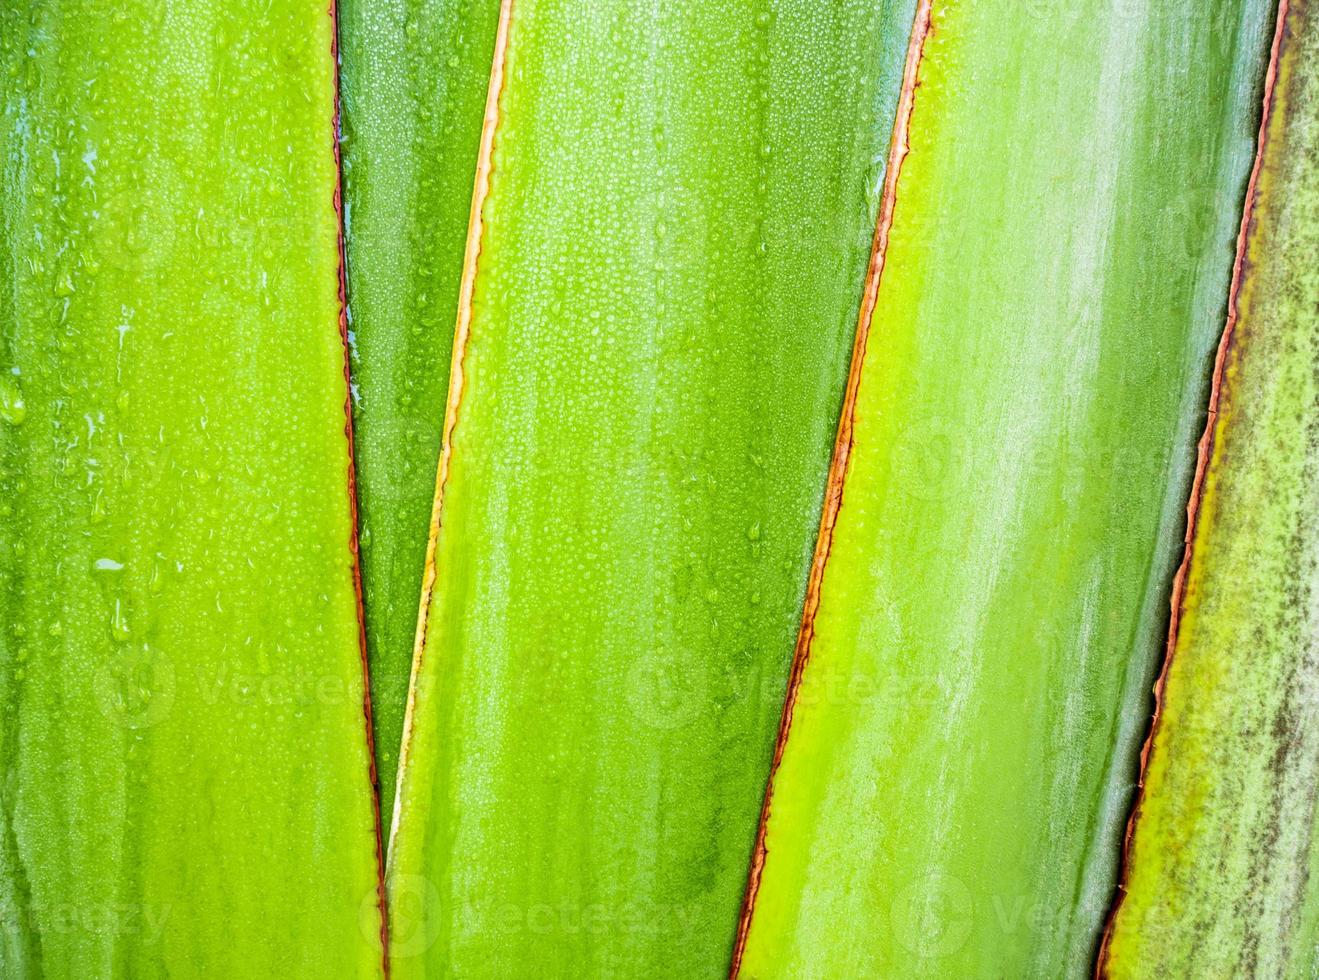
[(414, 81)]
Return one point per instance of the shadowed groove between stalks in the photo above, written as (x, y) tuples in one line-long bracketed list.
[(833, 498), (1204, 452), (353, 546), (471, 259)]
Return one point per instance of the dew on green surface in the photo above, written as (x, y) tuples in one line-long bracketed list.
[(959, 768), (170, 392), (414, 79), (677, 235)]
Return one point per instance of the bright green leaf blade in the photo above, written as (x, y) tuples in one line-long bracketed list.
[(681, 210), (185, 760), (1222, 880), (414, 83), (957, 772)]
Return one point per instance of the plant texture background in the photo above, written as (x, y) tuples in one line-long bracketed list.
[(619, 489)]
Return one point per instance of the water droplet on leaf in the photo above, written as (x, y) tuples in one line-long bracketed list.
[(13, 409)]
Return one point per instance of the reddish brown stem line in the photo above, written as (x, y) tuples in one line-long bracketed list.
[(353, 546), (833, 497), (1204, 453), (471, 260)]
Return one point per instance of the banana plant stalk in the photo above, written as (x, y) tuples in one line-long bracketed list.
[(974, 665), (186, 767), (1221, 874), (414, 82), (674, 214)]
